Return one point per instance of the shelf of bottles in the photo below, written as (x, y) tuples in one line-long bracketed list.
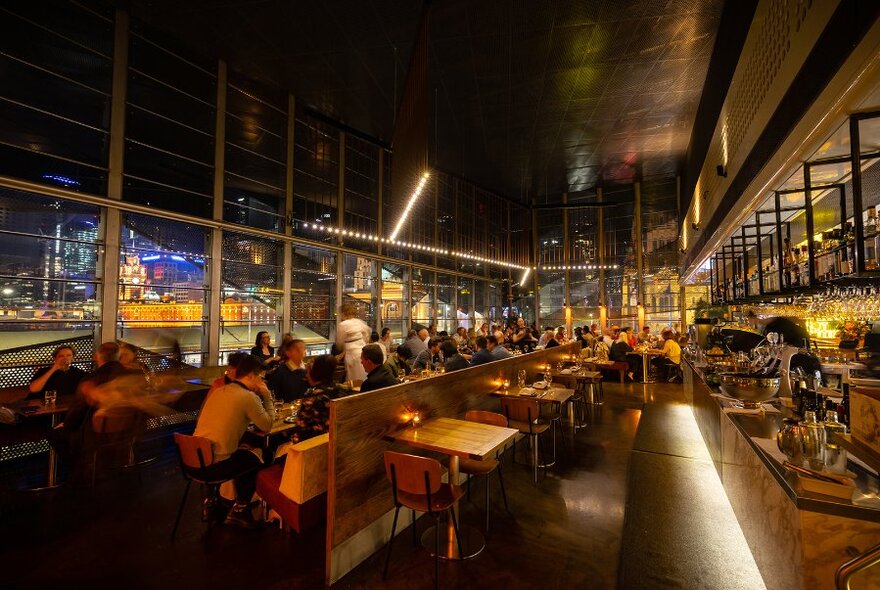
[(810, 234)]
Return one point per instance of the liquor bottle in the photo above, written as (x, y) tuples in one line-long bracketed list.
[(814, 441), (843, 260), (835, 455), (805, 265), (850, 244), (787, 264), (796, 273), (843, 408), (797, 396)]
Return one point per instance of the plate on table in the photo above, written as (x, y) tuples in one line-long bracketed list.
[(290, 420), (539, 384)]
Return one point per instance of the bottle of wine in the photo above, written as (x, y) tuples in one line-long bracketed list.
[(787, 264), (843, 408), (805, 265)]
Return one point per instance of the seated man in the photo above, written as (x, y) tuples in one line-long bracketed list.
[(228, 376), (498, 351), (428, 357), (288, 381), (378, 375), (398, 362), (61, 376), (670, 353), (223, 420), (453, 359), (75, 434), (483, 355), (313, 418)]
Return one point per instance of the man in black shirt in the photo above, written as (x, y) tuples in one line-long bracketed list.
[(378, 375), (453, 360), (62, 376)]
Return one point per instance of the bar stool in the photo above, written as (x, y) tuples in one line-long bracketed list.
[(473, 467), (415, 483), (595, 394), (522, 414)]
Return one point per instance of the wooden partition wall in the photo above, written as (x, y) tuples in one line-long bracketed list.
[(358, 494)]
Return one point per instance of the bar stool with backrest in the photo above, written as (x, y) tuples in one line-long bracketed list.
[(522, 414), (415, 483), (195, 454), (473, 467)]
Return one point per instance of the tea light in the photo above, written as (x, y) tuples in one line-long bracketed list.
[(505, 384), (416, 420)]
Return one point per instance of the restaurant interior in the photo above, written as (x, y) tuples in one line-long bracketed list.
[(281, 282)]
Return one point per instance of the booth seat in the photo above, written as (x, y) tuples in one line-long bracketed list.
[(297, 489)]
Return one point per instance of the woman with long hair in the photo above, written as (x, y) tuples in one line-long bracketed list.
[(263, 350)]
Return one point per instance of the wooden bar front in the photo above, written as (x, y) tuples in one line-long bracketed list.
[(358, 494)]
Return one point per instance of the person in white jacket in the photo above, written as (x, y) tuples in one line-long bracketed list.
[(352, 334)]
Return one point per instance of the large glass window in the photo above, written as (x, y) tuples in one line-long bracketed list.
[(361, 190), (422, 297), (169, 126), (54, 120), (316, 177), (255, 163), (395, 299), (359, 286), (162, 287), (251, 290), (313, 297), (446, 317), (48, 281)]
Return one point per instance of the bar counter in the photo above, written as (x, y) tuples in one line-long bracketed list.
[(798, 538)]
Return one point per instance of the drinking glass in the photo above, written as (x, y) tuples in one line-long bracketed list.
[(49, 397), (548, 378)]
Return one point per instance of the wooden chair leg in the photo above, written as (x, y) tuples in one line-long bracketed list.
[(391, 542), (180, 509)]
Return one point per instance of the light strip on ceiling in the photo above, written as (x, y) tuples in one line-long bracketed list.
[(410, 205)]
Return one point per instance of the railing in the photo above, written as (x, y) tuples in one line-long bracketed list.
[(859, 563)]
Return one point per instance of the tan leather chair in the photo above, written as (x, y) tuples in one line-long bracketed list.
[(415, 483), (473, 467), (522, 413)]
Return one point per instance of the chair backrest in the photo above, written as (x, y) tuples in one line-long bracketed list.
[(195, 451), (115, 420), (407, 472), (484, 417), (520, 409)]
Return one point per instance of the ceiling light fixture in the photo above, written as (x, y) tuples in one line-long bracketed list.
[(411, 204)]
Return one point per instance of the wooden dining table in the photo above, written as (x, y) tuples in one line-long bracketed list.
[(457, 439)]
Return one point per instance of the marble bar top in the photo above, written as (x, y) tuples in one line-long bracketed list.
[(766, 425)]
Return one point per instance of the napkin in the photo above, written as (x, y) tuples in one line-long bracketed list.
[(565, 372), (529, 391), (764, 409)]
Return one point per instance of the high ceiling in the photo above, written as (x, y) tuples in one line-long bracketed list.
[(533, 97)]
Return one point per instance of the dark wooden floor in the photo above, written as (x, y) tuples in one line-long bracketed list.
[(632, 503)]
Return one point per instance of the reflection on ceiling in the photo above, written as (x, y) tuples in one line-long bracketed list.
[(532, 97)]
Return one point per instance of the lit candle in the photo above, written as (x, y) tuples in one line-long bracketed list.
[(416, 420)]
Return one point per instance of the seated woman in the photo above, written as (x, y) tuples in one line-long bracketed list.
[(263, 350), (620, 353), (313, 418), (670, 353)]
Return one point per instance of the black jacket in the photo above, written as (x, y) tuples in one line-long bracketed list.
[(378, 378), (288, 384)]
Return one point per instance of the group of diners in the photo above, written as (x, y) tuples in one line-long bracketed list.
[(115, 379)]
